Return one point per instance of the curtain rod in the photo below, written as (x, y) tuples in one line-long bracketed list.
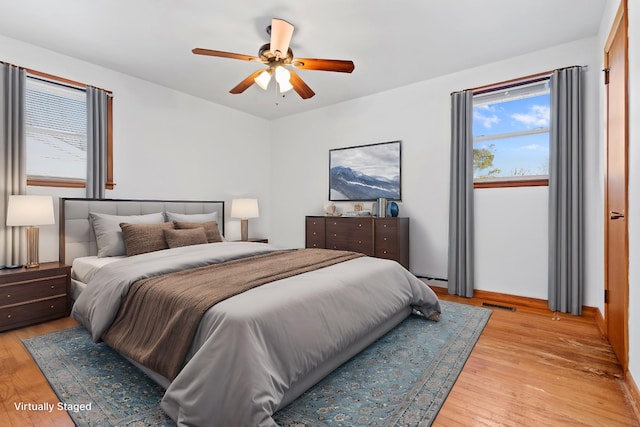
[(58, 80), (517, 82)]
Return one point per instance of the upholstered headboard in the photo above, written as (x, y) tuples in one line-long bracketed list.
[(76, 234)]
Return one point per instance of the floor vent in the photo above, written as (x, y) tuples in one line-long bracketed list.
[(503, 307)]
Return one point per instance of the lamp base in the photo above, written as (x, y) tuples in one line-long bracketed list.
[(33, 236), (244, 230)]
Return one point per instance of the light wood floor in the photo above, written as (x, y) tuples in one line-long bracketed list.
[(525, 370)]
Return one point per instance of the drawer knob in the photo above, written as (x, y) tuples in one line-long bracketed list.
[(8, 295), (385, 239), (334, 235), (384, 252), (314, 233), (385, 225), (8, 316), (52, 286), (53, 306), (359, 241), (359, 225)]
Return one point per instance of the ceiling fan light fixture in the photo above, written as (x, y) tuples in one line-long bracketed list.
[(283, 77), (281, 32), (263, 79)]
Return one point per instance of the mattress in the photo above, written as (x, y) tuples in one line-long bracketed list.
[(84, 268)]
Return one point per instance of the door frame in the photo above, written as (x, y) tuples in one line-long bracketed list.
[(620, 23)]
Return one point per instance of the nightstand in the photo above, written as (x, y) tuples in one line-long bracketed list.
[(34, 295)]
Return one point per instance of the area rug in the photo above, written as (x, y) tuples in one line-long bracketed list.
[(400, 380)]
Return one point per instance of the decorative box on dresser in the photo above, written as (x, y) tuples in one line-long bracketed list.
[(34, 295), (381, 237)]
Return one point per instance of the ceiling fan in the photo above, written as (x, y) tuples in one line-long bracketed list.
[(276, 55)]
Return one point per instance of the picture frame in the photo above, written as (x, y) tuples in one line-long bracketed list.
[(366, 172)]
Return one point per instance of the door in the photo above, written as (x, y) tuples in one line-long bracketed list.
[(616, 181)]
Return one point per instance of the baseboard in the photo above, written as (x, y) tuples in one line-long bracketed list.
[(516, 301), (633, 394)]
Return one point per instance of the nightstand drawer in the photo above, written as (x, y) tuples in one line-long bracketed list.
[(24, 314), (19, 292)]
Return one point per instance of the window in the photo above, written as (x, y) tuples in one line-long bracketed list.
[(56, 132), (511, 135)]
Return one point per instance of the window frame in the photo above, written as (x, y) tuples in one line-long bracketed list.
[(535, 180), (77, 183)]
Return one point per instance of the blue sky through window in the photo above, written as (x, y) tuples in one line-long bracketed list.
[(517, 132)]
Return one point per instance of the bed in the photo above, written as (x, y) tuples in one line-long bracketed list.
[(252, 353)]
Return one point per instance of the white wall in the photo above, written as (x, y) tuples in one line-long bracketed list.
[(511, 224), (167, 145)]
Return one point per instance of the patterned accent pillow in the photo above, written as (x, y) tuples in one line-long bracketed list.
[(143, 238), (185, 237), (210, 228)]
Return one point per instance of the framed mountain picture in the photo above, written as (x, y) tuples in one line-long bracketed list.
[(365, 172)]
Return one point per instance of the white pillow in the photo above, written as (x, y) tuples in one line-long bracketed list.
[(108, 233), (206, 217)]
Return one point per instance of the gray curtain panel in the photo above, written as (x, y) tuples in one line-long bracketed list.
[(96, 142), (566, 223), (13, 178), (461, 253)]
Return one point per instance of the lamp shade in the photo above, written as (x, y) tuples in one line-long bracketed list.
[(244, 208), (30, 210)]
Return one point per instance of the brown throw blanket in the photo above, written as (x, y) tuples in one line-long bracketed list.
[(160, 315)]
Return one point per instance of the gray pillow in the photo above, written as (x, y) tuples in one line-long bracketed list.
[(185, 237), (108, 234), (171, 216)]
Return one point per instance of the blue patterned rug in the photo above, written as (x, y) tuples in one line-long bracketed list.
[(400, 380)]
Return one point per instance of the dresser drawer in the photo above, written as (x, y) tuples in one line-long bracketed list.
[(32, 289), (315, 232), (37, 311)]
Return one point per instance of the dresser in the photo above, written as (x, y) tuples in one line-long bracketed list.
[(34, 295), (373, 236)]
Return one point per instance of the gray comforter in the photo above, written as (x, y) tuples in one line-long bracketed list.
[(257, 351)]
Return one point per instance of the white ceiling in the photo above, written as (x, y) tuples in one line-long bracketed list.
[(392, 43)]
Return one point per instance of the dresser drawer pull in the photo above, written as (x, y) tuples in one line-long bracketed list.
[(384, 225), (385, 239), (384, 252), (334, 235), (8, 316), (8, 295), (314, 233), (53, 306), (52, 286), (359, 225)]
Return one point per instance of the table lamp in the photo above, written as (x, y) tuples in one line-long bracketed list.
[(244, 209), (30, 211)]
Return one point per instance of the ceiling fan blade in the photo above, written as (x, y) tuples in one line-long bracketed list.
[(337, 65), (300, 86), (244, 85), (219, 53), (281, 32)]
